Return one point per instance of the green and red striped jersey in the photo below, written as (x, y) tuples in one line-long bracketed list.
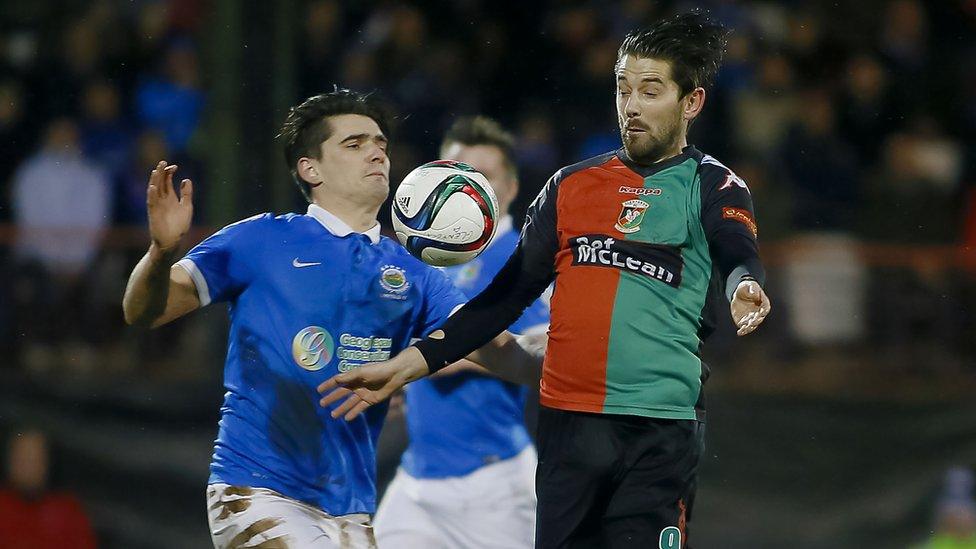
[(634, 251)]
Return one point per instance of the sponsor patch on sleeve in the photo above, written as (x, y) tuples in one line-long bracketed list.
[(742, 216)]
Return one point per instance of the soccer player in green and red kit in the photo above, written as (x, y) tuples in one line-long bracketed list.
[(635, 240)]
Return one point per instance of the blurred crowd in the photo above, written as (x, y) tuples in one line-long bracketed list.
[(854, 124), (851, 121), (838, 114), (89, 98)]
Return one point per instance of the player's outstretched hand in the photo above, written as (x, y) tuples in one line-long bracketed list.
[(371, 384), (169, 214), (750, 305)]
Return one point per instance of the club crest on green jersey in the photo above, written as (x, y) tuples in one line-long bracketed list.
[(631, 215)]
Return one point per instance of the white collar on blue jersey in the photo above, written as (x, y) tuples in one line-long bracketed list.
[(339, 227), (504, 225)]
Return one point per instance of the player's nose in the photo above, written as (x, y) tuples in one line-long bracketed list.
[(630, 107), (377, 155)]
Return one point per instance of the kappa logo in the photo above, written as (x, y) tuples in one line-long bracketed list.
[(730, 178), (393, 279), (639, 191), (631, 215)]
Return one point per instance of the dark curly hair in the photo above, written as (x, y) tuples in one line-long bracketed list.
[(691, 42), (307, 125)]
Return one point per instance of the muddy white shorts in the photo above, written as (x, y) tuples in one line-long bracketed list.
[(258, 518)]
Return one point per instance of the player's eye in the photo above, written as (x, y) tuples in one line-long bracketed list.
[(353, 145)]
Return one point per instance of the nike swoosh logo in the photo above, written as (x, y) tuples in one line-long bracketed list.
[(299, 264)]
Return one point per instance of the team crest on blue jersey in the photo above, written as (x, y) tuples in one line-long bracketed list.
[(312, 348), (467, 276), (631, 216), (393, 279)]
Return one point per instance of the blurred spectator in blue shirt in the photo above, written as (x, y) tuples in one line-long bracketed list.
[(173, 102)]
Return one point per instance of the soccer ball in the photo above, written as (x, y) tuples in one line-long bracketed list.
[(444, 213)]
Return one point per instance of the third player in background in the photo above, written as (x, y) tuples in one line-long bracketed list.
[(467, 476)]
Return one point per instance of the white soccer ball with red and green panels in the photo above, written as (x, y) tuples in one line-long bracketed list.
[(445, 212)]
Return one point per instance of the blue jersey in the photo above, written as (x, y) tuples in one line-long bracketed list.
[(308, 299), (464, 421)]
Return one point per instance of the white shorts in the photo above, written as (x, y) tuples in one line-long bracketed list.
[(241, 516), (493, 507)]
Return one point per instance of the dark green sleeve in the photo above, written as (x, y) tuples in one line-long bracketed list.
[(729, 222)]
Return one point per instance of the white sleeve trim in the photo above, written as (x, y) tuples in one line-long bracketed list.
[(203, 291)]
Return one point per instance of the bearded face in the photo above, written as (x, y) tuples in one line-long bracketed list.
[(650, 110), (648, 141)]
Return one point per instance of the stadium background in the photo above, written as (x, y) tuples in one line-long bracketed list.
[(853, 122)]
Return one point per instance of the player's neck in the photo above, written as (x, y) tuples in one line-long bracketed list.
[(678, 146), (360, 218)]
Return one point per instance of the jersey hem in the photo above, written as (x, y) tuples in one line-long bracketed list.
[(622, 409), (216, 478)]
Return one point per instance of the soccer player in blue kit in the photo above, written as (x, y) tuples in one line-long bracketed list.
[(467, 479), (309, 296)]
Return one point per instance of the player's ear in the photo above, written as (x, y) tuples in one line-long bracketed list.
[(307, 171), (693, 103)]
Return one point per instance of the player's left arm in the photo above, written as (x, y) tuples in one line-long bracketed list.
[(729, 222)]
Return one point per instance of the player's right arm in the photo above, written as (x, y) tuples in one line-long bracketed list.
[(157, 291)]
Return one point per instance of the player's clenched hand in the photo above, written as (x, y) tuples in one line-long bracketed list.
[(750, 305), (169, 215), (370, 384)]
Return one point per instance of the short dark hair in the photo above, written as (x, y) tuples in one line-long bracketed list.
[(307, 125), (481, 130), (691, 42)]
